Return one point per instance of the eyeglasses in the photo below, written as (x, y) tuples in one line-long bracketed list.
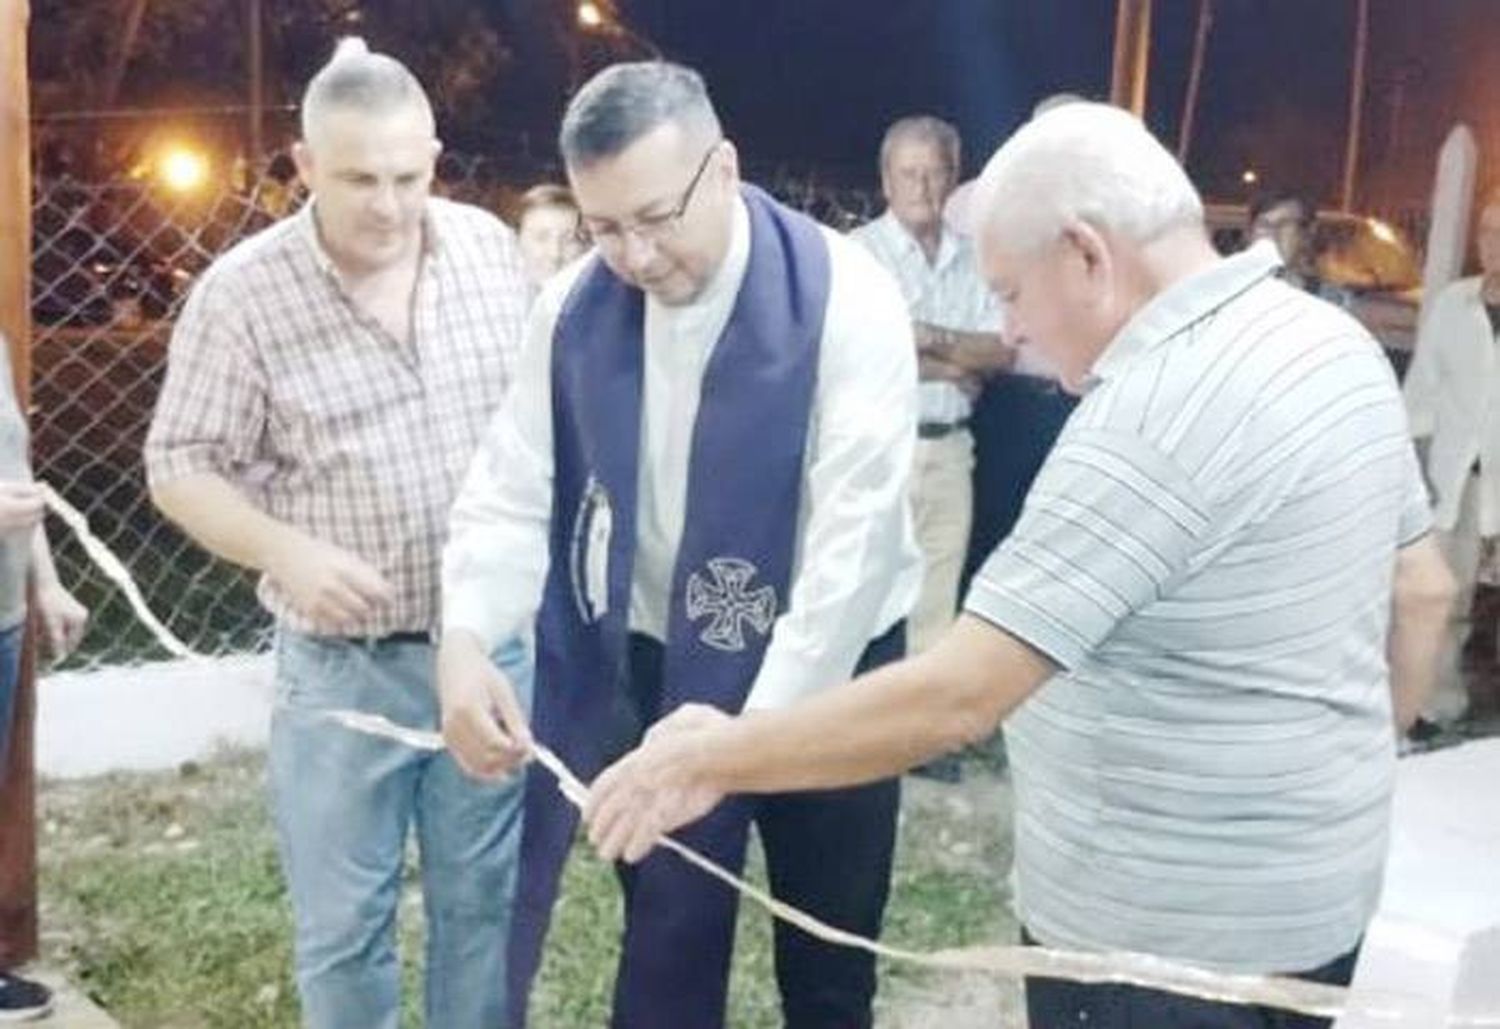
[(651, 228)]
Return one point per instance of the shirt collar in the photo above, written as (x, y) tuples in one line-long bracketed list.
[(307, 228), (1183, 304), (948, 243)]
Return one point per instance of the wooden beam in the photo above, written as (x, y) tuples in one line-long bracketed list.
[(1195, 80), (18, 936), (1356, 104), (1132, 59)]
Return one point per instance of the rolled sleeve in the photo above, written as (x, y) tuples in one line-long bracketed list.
[(210, 415), (1110, 522)]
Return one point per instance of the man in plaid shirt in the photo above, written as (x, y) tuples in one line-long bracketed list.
[(328, 382)]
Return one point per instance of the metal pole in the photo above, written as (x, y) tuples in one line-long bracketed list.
[(1195, 80), (256, 59), (18, 936), (1356, 103), (1132, 58)]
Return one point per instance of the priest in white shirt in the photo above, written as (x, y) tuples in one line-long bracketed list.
[(698, 490)]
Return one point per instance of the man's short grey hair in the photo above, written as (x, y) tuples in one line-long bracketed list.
[(1089, 162), (626, 101), (357, 79), (923, 128)]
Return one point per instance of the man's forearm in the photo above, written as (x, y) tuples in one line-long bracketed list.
[(1423, 595), (1416, 643), (43, 570), (982, 353), (882, 723), (969, 353), (218, 516)]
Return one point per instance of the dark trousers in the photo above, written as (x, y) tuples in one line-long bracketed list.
[(827, 852), (1058, 1003)]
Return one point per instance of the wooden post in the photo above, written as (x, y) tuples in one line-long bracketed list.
[(1195, 80), (120, 59), (1132, 55), (18, 936), (255, 57), (1356, 103)]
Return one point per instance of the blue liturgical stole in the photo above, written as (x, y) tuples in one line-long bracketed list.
[(744, 485)]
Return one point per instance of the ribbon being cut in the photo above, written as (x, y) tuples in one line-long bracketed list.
[(1372, 1007)]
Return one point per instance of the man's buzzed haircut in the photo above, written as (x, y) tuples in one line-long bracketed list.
[(358, 80), (626, 101)]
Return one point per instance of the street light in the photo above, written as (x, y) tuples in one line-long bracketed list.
[(182, 170), (589, 15), (598, 17), (1249, 177)]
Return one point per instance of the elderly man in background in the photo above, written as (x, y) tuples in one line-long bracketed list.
[(326, 386), (1204, 631), (956, 324)]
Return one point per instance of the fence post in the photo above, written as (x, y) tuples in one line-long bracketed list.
[(18, 935)]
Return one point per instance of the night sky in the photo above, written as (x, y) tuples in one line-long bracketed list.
[(816, 81)]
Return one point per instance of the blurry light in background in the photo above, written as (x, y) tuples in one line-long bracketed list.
[(1248, 177), (182, 169), (1382, 230), (589, 15)]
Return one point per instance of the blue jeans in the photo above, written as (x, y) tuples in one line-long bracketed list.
[(342, 803), (10, 683)]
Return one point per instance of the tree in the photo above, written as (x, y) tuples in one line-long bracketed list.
[(492, 67)]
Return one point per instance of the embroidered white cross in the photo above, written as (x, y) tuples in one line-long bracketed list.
[(726, 596)]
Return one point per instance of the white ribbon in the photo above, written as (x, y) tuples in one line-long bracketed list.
[(1119, 967)]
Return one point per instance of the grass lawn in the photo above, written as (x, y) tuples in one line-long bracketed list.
[(162, 900)]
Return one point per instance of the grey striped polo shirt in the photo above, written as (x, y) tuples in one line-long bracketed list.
[(1208, 555)]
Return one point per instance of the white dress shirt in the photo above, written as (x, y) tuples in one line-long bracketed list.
[(1453, 397), (947, 292), (856, 569)]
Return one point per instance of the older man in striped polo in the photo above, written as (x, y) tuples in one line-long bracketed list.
[(1219, 604)]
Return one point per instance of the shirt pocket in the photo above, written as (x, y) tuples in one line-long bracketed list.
[(337, 389)]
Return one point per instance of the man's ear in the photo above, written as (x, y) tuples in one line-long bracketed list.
[(731, 166), (1088, 245), (302, 157)]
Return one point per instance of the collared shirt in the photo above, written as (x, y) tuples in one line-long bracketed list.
[(1453, 398), (1208, 555), (947, 292), (856, 569), (279, 383)]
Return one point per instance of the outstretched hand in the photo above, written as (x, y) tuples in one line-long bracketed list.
[(660, 786)]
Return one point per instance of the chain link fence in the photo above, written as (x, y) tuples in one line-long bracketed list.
[(112, 264)]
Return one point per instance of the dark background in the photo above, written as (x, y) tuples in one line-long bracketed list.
[(814, 82)]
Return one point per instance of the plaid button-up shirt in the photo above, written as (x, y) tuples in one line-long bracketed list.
[(277, 382)]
